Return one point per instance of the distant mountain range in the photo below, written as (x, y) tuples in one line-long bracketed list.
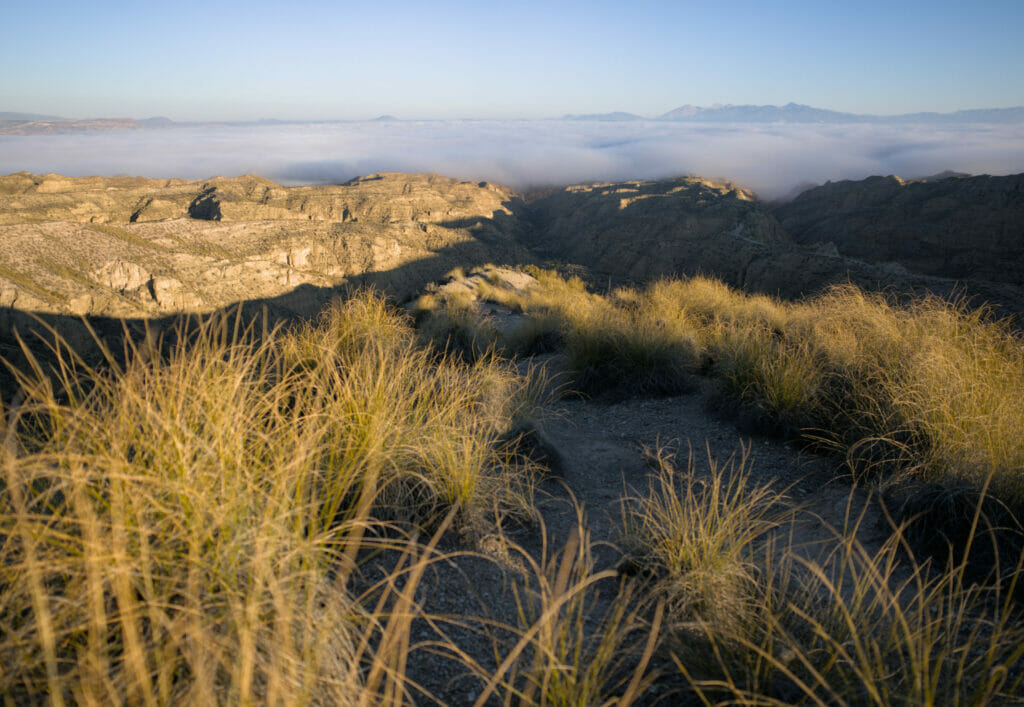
[(16, 123), (610, 117), (8, 115), (798, 113)]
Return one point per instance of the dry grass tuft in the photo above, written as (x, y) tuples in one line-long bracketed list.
[(182, 526), (926, 389), (752, 621), (697, 538), (865, 628), (569, 647)]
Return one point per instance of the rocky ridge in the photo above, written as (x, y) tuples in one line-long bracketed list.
[(957, 227), (639, 230), (645, 229), (140, 247), (134, 247)]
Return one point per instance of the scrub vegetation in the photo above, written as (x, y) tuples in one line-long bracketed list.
[(187, 522), (923, 389)]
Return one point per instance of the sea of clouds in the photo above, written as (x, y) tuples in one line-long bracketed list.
[(772, 159)]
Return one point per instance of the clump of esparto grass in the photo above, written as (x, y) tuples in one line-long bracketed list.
[(617, 346), (568, 647), (456, 325), (868, 628), (927, 389), (697, 537), (181, 526), (708, 302), (623, 352), (961, 395), (704, 544), (778, 384), (170, 540), (751, 620)]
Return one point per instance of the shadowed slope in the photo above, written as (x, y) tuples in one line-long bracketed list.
[(959, 227)]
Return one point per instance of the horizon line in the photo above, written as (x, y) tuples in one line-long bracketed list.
[(32, 116)]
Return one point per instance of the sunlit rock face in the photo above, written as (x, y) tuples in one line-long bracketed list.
[(955, 227), (646, 229), (378, 198), (139, 247)]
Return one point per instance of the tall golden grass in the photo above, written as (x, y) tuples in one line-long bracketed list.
[(927, 388), (182, 526), (752, 619)]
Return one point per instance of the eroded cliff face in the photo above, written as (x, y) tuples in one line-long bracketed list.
[(140, 247), (379, 198), (646, 229), (641, 230), (959, 227)]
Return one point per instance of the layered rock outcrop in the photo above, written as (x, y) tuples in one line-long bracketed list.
[(645, 229), (379, 199), (140, 247), (958, 227)]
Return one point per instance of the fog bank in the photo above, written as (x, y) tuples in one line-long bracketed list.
[(771, 159)]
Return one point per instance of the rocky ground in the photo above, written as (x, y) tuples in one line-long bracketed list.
[(602, 457)]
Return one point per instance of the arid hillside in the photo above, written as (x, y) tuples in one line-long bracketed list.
[(587, 478), (644, 229), (957, 227), (135, 247), (138, 247), (640, 230)]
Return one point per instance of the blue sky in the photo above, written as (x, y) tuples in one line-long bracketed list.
[(441, 59)]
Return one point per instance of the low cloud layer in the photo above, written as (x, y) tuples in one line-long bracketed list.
[(773, 160)]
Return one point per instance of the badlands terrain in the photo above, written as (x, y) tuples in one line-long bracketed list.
[(143, 249), (645, 441), (127, 247)]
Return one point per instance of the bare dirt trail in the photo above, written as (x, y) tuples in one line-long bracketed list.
[(601, 459)]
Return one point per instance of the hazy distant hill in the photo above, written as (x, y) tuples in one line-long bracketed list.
[(798, 113), (948, 225), (8, 115), (977, 115), (615, 116), (789, 113), (14, 123), (61, 126)]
